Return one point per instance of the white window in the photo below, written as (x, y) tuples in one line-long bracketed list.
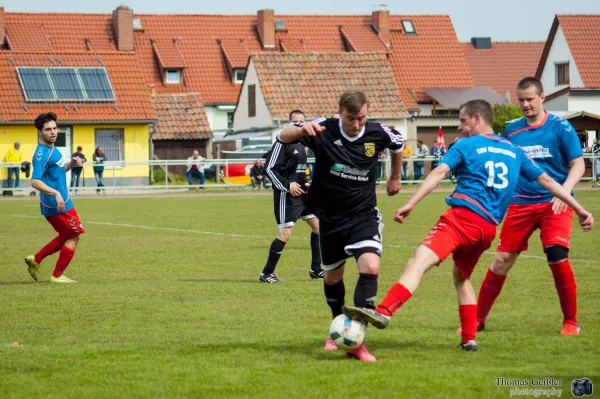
[(408, 27), (240, 74), (562, 73), (173, 76), (137, 24), (112, 142)]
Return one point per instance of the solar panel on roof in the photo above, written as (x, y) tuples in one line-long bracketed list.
[(36, 84), (96, 84), (66, 85)]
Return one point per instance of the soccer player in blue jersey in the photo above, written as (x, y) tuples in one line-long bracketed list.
[(553, 144), (489, 169), (50, 178)]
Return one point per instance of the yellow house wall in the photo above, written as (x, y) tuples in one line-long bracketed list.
[(136, 146)]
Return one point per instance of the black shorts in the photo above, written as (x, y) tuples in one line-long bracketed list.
[(341, 240), (289, 209)]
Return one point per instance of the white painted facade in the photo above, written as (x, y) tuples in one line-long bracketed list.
[(263, 118), (585, 103), (559, 53)]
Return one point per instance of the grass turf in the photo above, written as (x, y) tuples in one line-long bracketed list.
[(168, 304)]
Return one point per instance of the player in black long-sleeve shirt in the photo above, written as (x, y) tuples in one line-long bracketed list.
[(286, 168)]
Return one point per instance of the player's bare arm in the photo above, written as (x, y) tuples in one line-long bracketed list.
[(75, 161), (393, 184), (429, 184), (292, 133), (586, 220), (44, 188), (576, 171)]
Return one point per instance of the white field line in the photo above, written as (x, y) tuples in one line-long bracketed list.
[(213, 233)]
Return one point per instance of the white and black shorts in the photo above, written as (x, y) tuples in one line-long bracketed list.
[(353, 237), (289, 209)]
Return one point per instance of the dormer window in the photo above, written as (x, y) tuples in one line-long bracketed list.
[(172, 76), (137, 24), (280, 25), (238, 75), (408, 27)]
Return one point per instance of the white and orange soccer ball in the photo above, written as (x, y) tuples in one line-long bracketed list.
[(347, 334)]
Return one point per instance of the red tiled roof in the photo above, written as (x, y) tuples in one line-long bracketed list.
[(363, 38), (314, 82), (132, 102), (235, 53), (168, 55), (431, 58), (180, 117), (504, 65), (583, 37)]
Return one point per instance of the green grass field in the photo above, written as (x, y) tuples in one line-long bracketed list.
[(168, 304)]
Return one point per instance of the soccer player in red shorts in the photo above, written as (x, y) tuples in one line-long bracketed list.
[(489, 168), (50, 178), (553, 144)]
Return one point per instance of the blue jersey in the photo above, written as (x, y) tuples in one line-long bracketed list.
[(489, 169), (49, 167), (552, 144)]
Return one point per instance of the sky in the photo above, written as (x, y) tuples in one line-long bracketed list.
[(502, 20)]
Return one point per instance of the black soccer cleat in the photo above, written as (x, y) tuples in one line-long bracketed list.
[(314, 274), (269, 278), (470, 346)]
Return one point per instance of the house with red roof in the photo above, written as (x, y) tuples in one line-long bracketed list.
[(97, 92), (501, 65), (570, 64)]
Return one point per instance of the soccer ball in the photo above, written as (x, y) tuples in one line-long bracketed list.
[(347, 334)]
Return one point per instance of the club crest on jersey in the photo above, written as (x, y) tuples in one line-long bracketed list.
[(369, 149)]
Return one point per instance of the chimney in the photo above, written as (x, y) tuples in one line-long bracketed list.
[(2, 28), (266, 28), (122, 22), (381, 21)]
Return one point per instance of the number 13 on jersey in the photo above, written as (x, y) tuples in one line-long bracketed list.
[(497, 170)]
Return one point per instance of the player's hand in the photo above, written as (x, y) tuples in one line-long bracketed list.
[(312, 129), (76, 161), (295, 189), (586, 220), (558, 206), (403, 213), (393, 186), (60, 202)]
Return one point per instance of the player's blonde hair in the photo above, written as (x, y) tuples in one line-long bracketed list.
[(353, 100)]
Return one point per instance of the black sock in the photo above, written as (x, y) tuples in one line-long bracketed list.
[(335, 297), (316, 252), (274, 254), (366, 291)]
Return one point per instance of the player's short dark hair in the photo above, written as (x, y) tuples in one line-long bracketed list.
[(529, 81), (353, 100), (419, 141), (295, 112), (43, 118), (480, 107)]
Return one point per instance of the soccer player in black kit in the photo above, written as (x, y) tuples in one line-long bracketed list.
[(286, 168), (343, 197)]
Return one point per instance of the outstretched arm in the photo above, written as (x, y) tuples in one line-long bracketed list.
[(576, 171), (291, 132)]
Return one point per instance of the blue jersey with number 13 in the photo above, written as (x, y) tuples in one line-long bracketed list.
[(488, 172)]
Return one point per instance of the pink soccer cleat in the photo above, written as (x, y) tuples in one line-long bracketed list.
[(330, 345), (362, 354)]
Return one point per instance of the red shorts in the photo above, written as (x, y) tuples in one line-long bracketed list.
[(67, 224), (523, 219), (464, 234)]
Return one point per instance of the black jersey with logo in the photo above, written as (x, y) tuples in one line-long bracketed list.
[(345, 170), (286, 163)]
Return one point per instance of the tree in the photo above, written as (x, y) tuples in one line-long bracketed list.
[(504, 113)]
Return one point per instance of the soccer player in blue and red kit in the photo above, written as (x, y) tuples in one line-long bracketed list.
[(489, 169), (553, 144), (50, 178)]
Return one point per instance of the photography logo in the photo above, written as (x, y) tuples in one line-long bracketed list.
[(582, 387)]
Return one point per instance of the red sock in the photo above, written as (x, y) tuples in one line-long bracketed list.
[(468, 322), (564, 280), (394, 299), (489, 291), (66, 254), (51, 248)]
